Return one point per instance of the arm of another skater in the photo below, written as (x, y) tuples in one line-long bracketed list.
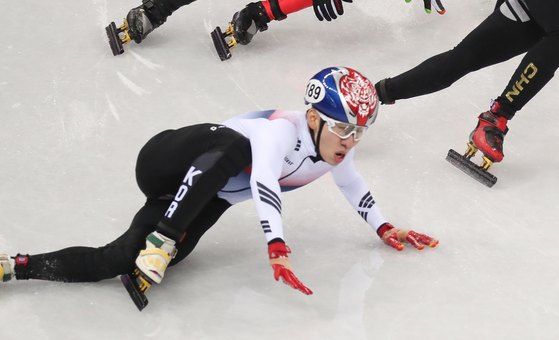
[(323, 9)]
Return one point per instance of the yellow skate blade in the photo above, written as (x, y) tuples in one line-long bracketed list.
[(229, 30), (486, 164), (470, 151)]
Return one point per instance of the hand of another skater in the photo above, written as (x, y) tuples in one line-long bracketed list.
[(429, 4), (279, 261), (327, 9), (396, 237)]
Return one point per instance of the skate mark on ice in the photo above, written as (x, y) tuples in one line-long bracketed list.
[(112, 108), (352, 299), (131, 85), (147, 63), (245, 93)]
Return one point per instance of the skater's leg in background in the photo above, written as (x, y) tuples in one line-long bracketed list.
[(535, 70), (538, 66), (143, 19), (88, 264), (159, 10), (495, 40)]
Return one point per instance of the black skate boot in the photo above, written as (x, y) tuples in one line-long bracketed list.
[(140, 21), (488, 136), (242, 28), (249, 21)]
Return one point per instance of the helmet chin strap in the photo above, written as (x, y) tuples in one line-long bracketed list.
[(316, 142)]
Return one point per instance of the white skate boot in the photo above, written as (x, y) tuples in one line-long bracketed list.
[(153, 260), (6, 269)]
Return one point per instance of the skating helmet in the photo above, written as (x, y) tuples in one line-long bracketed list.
[(344, 95)]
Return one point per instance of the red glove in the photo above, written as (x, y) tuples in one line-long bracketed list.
[(394, 237), (279, 261)]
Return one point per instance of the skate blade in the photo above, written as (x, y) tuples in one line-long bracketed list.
[(221, 46), (137, 293), (470, 168), (114, 39)]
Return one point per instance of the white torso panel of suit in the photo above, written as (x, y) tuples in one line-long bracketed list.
[(284, 159), (515, 10)]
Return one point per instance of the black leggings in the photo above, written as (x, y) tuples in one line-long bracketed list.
[(167, 7), (495, 40), (160, 169)]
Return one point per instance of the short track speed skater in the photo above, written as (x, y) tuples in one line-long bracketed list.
[(464, 163)]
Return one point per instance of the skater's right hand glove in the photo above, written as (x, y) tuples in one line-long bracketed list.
[(279, 261), (433, 3), (324, 9), (395, 236)]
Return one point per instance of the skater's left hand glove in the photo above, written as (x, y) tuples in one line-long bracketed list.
[(433, 3), (279, 261), (324, 9), (395, 236)]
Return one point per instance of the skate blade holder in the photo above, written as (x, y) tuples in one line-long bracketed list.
[(118, 37), (136, 285), (477, 172), (223, 42)]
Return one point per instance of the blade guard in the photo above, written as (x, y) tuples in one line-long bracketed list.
[(470, 168), (221, 46), (114, 39), (137, 294)]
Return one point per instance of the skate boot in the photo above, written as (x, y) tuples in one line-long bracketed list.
[(242, 28), (488, 137), (6, 269), (153, 260), (249, 21), (489, 134), (150, 268), (140, 21)]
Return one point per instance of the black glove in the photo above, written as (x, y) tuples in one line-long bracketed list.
[(324, 9)]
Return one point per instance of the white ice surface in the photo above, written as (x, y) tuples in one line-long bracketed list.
[(73, 117)]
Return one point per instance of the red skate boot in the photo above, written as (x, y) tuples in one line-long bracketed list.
[(489, 134), (488, 137)]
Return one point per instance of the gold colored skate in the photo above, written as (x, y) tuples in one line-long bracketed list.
[(471, 151), (231, 41), (125, 38), (486, 164)]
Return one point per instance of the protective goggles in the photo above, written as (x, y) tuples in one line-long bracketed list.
[(341, 129)]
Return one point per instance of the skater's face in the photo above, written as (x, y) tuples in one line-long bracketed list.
[(332, 148)]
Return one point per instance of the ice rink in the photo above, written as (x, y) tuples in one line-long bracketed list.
[(73, 118)]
